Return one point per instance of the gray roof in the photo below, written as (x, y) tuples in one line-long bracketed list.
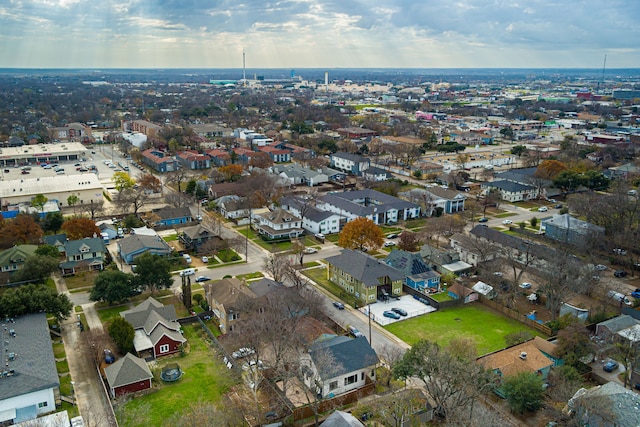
[(445, 193), (341, 419), (264, 286), (316, 215), (197, 231), (363, 267), (372, 170), (574, 225), (619, 323), (127, 370), (508, 241), (408, 263), (95, 244), (137, 242), (509, 186), (171, 213), (139, 314), (350, 156), (55, 239), (621, 406), (348, 354), (34, 366), (349, 202)]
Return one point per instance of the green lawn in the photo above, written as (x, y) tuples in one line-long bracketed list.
[(205, 380), (107, 314), (485, 326), (170, 238), (80, 280), (249, 276)]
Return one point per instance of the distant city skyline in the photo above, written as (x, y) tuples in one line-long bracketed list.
[(319, 33)]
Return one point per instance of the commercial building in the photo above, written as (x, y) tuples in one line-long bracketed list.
[(34, 154), (86, 187)]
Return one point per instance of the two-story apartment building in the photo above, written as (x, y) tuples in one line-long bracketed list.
[(159, 161), (379, 207), (193, 160), (350, 163)]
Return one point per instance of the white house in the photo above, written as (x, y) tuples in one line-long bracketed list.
[(278, 224), (379, 207)]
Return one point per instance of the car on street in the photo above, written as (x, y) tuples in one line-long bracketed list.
[(392, 236), (354, 332), (389, 243), (610, 366), (600, 267), (338, 305), (202, 278), (205, 259), (400, 311), (620, 273), (619, 251), (108, 356), (483, 219), (525, 285), (497, 273), (543, 209), (507, 222), (242, 352), (636, 293), (198, 217), (309, 250), (558, 206), (391, 314)]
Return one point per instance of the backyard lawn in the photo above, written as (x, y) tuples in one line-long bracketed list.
[(485, 326), (205, 380)]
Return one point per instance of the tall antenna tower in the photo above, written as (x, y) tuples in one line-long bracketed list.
[(244, 70), (604, 66)]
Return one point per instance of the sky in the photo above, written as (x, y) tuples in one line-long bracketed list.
[(319, 33)]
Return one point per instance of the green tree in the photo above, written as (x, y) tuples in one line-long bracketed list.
[(191, 187), (48, 250), (53, 221), (73, 200), (123, 181), (524, 391), (507, 132), (152, 271), (533, 221), (33, 299), (594, 180), (568, 180), (112, 287), (39, 201), (122, 333), (518, 150), (574, 343), (36, 268)]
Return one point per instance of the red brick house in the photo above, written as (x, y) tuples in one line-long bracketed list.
[(157, 333), (128, 375)]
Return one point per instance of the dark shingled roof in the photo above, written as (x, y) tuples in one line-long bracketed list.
[(128, 370), (139, 314), (34, 365), (363, 267), (349, 354)]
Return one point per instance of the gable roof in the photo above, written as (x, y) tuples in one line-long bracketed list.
[(34, 366), (55, 239), (17, 254), (278, 216), (171, 213), (508, 186), (350, 156), (341, 419), (94, 244), (139, 242), (508, 241), (127, 370), (363, 267), (229, 292), (509, 361), (408, 263), (618, 323), (346, 354), (138, 315), (621, 404), (264, 286), (445, 193), (197, 231), (349, 202)]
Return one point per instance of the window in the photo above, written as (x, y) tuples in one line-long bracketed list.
[(164, 348), (234, 316), (351, 380), (333, 385), (43, 405), (362, 376)]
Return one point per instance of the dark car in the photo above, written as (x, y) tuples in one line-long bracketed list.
[(108, 356), (391, 314), (338, 305), (620, 273), (610, 366), (558, 206), (202, 278), (636, 293), (400, 311), (483, 219)]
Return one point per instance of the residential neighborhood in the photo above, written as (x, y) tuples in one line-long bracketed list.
[(285, 252)]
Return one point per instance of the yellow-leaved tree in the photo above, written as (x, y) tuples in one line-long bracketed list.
[(361, 233)]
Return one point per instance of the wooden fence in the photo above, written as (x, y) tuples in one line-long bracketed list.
[(515, 315), (307, 411)]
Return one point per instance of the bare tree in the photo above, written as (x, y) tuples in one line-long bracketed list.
[(519, 260), (275, 265)]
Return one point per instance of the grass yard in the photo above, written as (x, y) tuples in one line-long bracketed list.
[(107, 314), (485, 326), (80, 281), (170, 238), (205, 379)]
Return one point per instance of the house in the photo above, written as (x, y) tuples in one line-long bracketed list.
[(128, 375), (313, 220), (30, 383), (157, 333), (341, 419), (356, 133), (376, 174), (568, 229), (278, 224), (609, 404), (218, 157), (623, 171), (364, 276), (109, 230), (298, 175), (276, 154), (379, 207), (13, 259), (350, 163), (56, 240), (609, 329), (531, 356), (193, 160), (458, 291), (159, 161), (338, 364), (443, 200), (228, 299), (232, 206), (168, 216), (135, 245), (418, 275), (196, 237), (87, 254), (483, 289), (444, 261), (511, 191)]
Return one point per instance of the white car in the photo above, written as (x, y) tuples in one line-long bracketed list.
[(389, 243), (309, 250), (525, 285), (507, 222), (543, 209)]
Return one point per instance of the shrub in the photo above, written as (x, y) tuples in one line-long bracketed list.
[(198, 298)]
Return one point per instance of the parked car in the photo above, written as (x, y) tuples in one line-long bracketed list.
[(392, 236), (400, 311), (354, 331), (600, 267), (543, 209), (242, 352), (620, 273), (507, 222), (309, 250), (610, 366), (202, 278), (619, 251), (558, 206), (391, 314), (338, 305), (108, 356), (483, 219), (636, 293), (525, 285), (389, 243), (205, 259)]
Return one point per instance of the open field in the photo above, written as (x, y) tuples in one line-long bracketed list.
[(486, 327)]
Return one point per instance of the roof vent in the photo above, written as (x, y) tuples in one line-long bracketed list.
[(523, 355)]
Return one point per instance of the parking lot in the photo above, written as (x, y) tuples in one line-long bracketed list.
[(407, 303)]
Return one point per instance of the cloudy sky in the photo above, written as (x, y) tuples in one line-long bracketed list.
[(319, 33)]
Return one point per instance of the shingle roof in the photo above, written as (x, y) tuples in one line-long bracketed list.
[(619, 323), (137, 242), (341, 419), (621, 404), (127, 370), (347, 354), (95, 244), (505, 240), (575, 225), (445, 193), (55, 239), (229, 291), (348, 201), (408, 263), (349, 156), (34, 366), (138, 315), (509, 186), (363, 267), (171, 213), (17, 254), (197, 231), (510, 362)]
